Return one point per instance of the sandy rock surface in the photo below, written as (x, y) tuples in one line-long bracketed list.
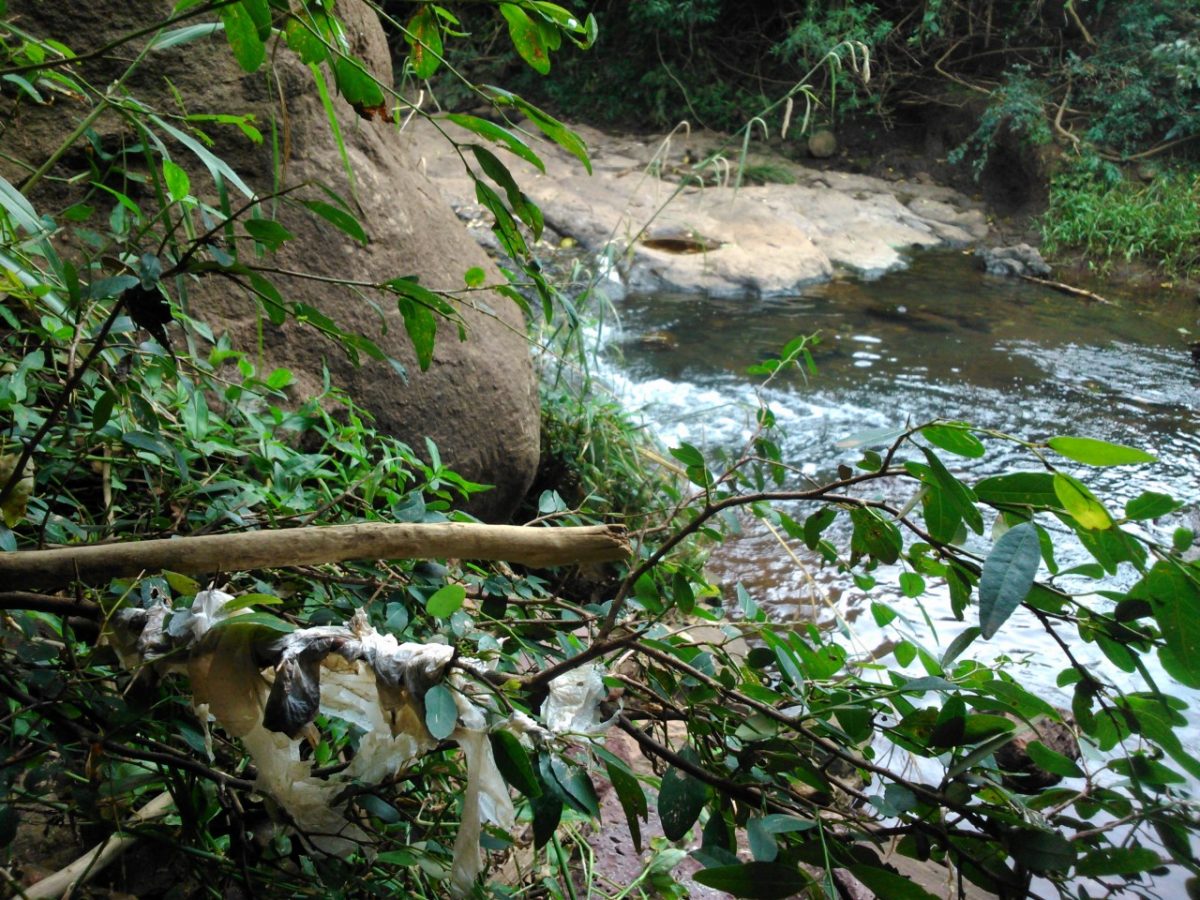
[(756, 240)]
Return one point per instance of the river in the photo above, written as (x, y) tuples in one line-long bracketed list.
[(939, 339)]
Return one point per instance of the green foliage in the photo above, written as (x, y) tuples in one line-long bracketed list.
[(1096, 210), (1016, 111), (124, 417)]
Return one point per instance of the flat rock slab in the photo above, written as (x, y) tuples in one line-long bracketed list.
[(761, 240)]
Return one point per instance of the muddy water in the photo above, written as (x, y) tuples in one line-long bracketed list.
[(937, 340)]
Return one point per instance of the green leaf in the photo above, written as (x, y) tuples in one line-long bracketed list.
[(681, 798), (1117, 861), (500, 135), (632, 798), (576, 787), (177, 181), (1080, 503), (1043, 851), (421, 325), (257, 620), (890, 885), (424, 37), (474, 277), (547, 813), (245, 600), (1150, 505), (1052, 761), (1092, 452), (300, 38), (954, 438), (165, 40), (513, 763), (217, 167), (356, 84), (270, 298), (1007, 576), (957, 493), (441, 712), (545, 123), (339, 219), (242, 34), (268, 232), (102, 410), (526, 37), (1175, 600), (1035, 489), (505, 226), (942, 517), (520, 204), (755, 880), (446, 600)]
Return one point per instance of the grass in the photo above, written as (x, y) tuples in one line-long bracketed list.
[(1097, 209)]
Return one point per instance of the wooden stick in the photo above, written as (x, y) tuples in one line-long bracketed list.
[(538, 547), (95, 860), (1067, 289)]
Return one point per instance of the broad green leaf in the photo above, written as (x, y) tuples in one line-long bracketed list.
[(339, 219), (681, 799), (513, 762), (547, 813), (1043, 851), (1151, 505), (526, 37), (505, 226), (890, 885), (421, 325), (500, 135), (1108, 861), (270, 298), (242, 34), (244, 601), (177, 181), (474, 277), (755, 880), (424, 37), (441, 712), (356, 84), (1082, 505), (632, 798), (954, 438), (257, 620), (1092, 452), (688, 455), (573, 781), (268, 232), (942, 517), (102, 410), (1175, 600), (446, 601), (1034, 489), (875, 536), (303, 42), (1052, 761), (957, 493), (1007, 576)]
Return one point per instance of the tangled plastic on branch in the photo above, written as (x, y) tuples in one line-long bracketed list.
[(265, 689)]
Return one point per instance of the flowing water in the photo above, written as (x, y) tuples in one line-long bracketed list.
[(939, 339)]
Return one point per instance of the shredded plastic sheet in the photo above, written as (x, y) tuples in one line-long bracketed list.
[(267, 692), (573, 706)]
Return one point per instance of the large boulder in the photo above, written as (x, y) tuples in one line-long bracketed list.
[(478, 401)]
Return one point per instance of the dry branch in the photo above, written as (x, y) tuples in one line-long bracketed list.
[(538, 547)]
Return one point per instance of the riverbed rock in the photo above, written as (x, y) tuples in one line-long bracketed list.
[(478, 401), (762, 240), (1014, 261)]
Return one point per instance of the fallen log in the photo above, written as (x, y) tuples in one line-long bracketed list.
[(97, 563)]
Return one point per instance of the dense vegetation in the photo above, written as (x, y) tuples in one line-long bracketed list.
[(1044, 91), (789, 758)]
